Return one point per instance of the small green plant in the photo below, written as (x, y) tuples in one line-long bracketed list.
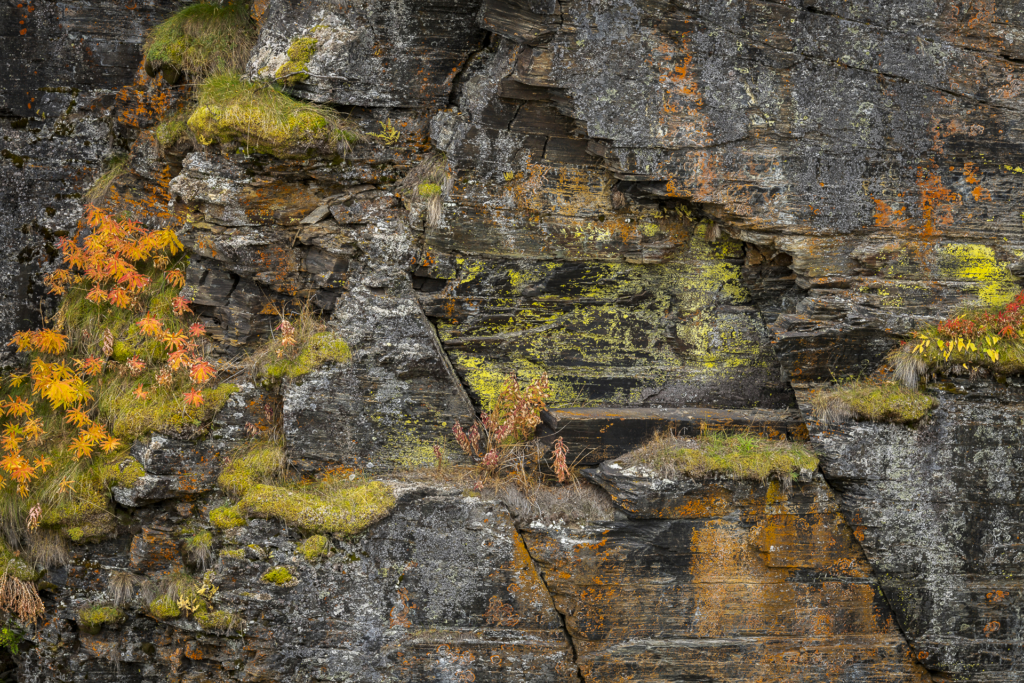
[(11, 637), (219, 620), (741, 455), (199, 547), (203, 39), (173, 129), (388, 134), (429, 189), (264, 119), (279, 575), (233, 553), (314, 548), (299, 53), (226, 517), (877, 401)]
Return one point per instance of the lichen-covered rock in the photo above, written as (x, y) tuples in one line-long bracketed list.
[(936, 508), (389, 605)]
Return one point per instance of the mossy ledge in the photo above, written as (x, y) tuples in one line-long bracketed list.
[(262, 119), (299, 53), (319, 349), (876, 401), (279, 575), (331, 505), (94, 617), (203, 38), (740, 456)]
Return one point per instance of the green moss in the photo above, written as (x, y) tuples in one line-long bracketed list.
[(76, 533), (742, 456), (279, 575), (299, 53), (322, 347), (870, 400), (131, 418), (262, 118), (203, 38), (172, 130), (429, 189), (83, 514), (314, 548), (262, 460), (226, 517), (344, 511), (97, 615), (164, 608), (122, 472), (13, 566), (219, 620), (233, 553), (198, 541)]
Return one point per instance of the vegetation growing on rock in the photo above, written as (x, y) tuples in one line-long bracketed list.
[(981, 338), (203, 39), (740, 455), (164, 607), (262, 119), (279, 575), (226, 517), (95, 616), (877, 401), (314, 548), (299, 53)]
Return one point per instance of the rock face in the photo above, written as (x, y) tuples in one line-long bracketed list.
[(937, 510), (684, 213)]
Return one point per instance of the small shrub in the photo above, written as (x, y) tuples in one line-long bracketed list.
[(742, 456), (204, 38), (279, 575), (299, 53), (93, 617), (508, 425), (264, 119), (876, 401), (314, 548), (11, 637), (226, 517)]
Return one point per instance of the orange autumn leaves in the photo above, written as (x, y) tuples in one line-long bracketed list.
[(109, 265)]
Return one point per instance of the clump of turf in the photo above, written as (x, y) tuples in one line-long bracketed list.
[(203, 38), (299, 53), (226, 517), (318, 349), (332, 505), (877, 401), (173, 129), (279, 575), (93, 617), (263, 119), (314, 548), (164, 607), (740, 455), (219, 620)]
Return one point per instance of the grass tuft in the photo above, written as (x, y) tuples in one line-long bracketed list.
[(115, 167), (740, 455), (93, 617), (264, 120), (164, 607), (203, 39), (876, 401)]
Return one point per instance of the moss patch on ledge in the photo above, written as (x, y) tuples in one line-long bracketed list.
[(876, 401), (263, 119), (331, 505), (278, 575), (318, 349), (742, 456), (14, 566), (93, 617)]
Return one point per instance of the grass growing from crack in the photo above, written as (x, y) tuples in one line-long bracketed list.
[(740, 455), (264, 120), (203, 38), (114, 168), (877, 401)]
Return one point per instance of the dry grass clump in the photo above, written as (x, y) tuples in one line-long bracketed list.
[(204, 38), (266, 121), (121, 587), (576, 503), (115, 167), (741, 455), (877, 401), (427, 184)]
